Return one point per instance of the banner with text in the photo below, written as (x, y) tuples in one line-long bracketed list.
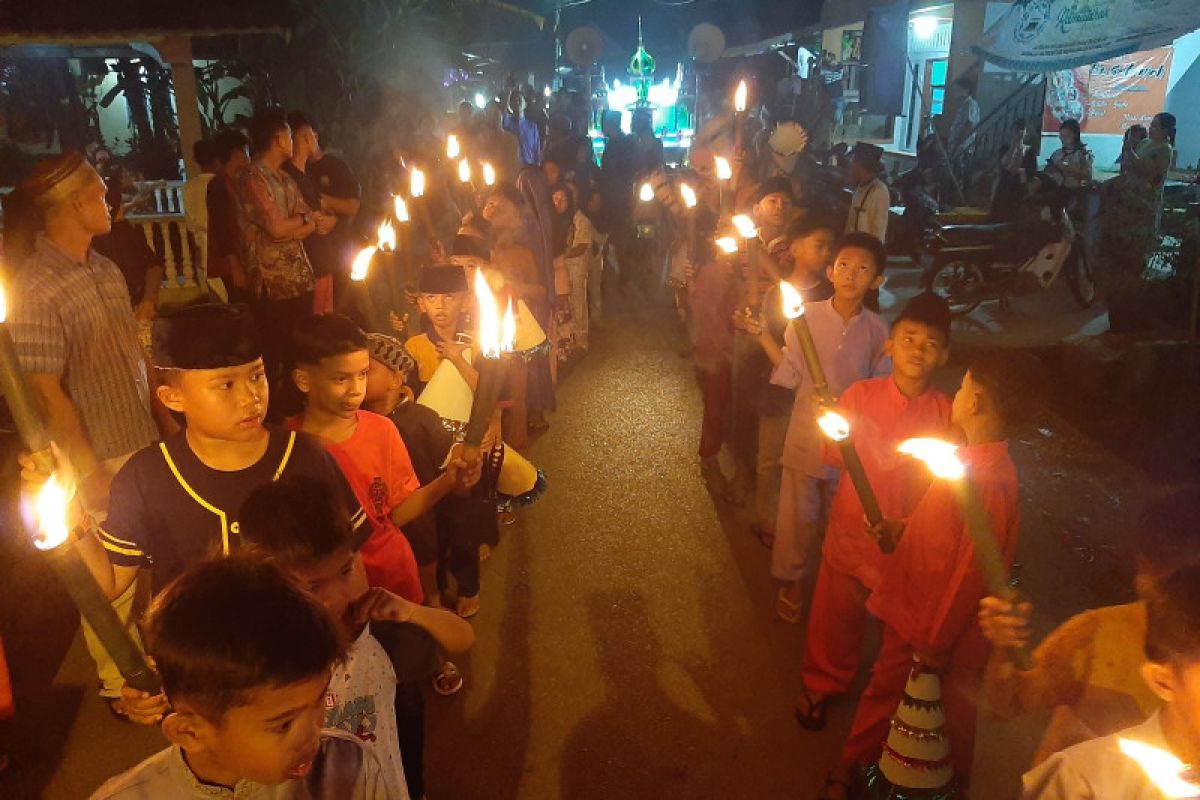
[(1049, 35), (1109, 96)]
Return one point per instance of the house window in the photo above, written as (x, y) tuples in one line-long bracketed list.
[(936, 83)]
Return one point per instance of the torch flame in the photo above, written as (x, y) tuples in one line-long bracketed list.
[(3, 305), (739, 97), (416, 183), (1163, 769), (646, 193), (51, 507), (793, 302), (496, 335), (387, 236), (401, 208), (724, 171), (464, 171), (834, 425), (362, 263), (941, 457), (728, 245), (688, 194), (489, 174), (745, 226), (452, 148)]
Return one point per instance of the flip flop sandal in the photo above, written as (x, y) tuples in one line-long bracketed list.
[(765, 538), (787, 610), (814, 718), (470, 612), (449, 681)]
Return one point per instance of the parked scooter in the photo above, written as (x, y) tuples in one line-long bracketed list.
[(969, 264)]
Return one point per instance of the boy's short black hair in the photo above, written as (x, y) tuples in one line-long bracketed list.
[(299, 119), (808, 224), (203, 151), (1173, 618), (296, 521), (264, 127), (226, 142), (868, 242), (230, 626), (322, 336), (929, 309), (1168, 536), (996, 377)]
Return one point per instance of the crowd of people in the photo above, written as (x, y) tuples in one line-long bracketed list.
[(316, 447)]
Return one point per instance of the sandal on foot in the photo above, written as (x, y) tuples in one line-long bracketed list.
[(814, 718), (467, 607), (765, 537), (449, 681), (787, 609)]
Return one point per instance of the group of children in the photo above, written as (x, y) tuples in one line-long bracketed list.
[(336, 538), (916, 572)]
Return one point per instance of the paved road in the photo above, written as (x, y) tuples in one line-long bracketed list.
[(626, 645)]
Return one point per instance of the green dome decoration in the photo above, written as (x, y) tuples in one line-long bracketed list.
[(642, 63)]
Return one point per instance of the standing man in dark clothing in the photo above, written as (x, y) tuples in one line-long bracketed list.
[(126, 247), (321, 248), (226, 249), (618, 167), (338, 193)]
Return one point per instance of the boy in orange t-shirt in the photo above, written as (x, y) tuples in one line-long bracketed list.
[(332, 363), (882, 413)]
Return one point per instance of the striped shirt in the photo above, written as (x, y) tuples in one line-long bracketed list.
[(75, 321)]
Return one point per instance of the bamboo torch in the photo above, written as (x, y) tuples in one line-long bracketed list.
[(359, 271), (400, 209), (21, 403), (837, 428), (690, 201), (793, 309), (416, 191), (496, 337), (748, 232), (942, 460), (53, 538), (724, 175)]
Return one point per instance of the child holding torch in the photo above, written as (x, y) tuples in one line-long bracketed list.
[(882, 413), (928, 594)]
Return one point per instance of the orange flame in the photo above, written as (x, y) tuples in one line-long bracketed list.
[(362, 263), (416, 183), (452, 148), (728, 245), (834, 425), (401, 208), (793, 303), (3, 305), (464, 171), (688, 194), (1163, 769), (51, 508), (646, 193), (387, 236), (745, 226), (941, 457), (724, 171), (739, 97), (496, 335), (489, 174)]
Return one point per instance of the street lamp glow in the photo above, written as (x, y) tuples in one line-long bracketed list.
[(547, 92), (925, 27), (480, 101)]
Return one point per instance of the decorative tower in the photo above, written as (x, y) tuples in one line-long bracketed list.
[(915, 764), (641, 69)]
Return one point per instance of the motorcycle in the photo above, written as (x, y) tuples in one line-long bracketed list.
[(970, 264)]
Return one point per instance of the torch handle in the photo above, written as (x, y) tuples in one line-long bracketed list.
[(862, 485), (987, 554), (492, 374), (21, 404), (98, 611), (808, 349)]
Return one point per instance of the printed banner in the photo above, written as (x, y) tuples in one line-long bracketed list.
[(1109, 96), (1049, 35)]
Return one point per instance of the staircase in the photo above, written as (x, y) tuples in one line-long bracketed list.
[(1025, 99)]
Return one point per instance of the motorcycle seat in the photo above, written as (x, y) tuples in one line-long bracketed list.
[(979, 233)]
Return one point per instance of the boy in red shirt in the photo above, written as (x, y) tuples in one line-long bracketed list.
[(882, 413), (928, 596), (332, 364)]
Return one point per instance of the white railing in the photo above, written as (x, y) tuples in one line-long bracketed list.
[(161, 219), (162, 197)]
